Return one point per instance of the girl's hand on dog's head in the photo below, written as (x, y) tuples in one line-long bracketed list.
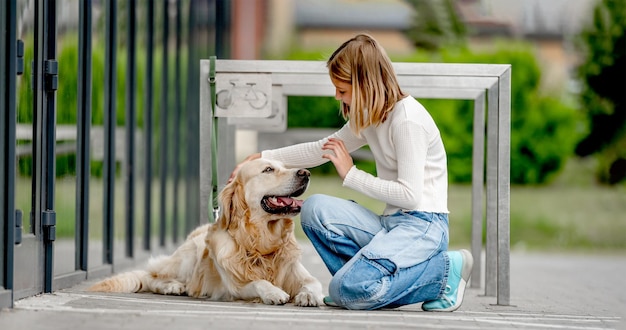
[(340, 156), (249, 158)]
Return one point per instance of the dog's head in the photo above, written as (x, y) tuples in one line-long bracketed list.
[(262, 192)]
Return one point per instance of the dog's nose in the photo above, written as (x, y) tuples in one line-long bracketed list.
[(303, 173)]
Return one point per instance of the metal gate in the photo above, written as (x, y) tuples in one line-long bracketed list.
[(104, 184)]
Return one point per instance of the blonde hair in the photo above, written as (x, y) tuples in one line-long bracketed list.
[(364, 64)]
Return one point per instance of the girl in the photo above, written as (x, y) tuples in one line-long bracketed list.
[(399, 257)]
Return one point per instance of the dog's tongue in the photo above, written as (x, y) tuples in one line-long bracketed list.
[(289, 201)]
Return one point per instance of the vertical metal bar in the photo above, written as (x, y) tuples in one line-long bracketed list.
[(192, 169), (225, 147), (478, 167), (49, 141), (177, 110), (164, 122), (491, 252), (38, 139), (504, 187), (109, 129), (222, 30), (83, 136), (131, 120), (148, 127), (8, 105), (206, 126)]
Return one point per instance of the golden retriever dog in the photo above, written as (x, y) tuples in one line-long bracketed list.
[(250, 253)]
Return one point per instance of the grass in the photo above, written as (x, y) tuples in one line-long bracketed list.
[(572, 213)]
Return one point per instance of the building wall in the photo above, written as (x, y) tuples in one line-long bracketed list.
[(280, 28), (248, 17), (394, 42)]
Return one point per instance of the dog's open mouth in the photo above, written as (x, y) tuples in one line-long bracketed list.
[(283, 204)]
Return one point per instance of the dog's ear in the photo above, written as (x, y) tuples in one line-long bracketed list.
[(234, 207)]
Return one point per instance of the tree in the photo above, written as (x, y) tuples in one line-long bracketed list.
[(436, 24), (603, 97)]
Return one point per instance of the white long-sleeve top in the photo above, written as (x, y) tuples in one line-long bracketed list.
[(410, 160)]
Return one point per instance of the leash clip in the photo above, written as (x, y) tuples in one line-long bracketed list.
[(216, 213)]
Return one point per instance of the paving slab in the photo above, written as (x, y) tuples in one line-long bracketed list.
[(548, 291)]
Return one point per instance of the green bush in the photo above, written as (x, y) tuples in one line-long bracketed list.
[(543, 128), (602, 96), (307, 111)]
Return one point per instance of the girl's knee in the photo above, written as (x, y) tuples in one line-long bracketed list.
[(314, 201), (358, 286), (351, 295), (309, 214)]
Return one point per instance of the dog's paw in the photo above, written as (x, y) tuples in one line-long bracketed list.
[(174, 288), (307, 299), (275, 297)]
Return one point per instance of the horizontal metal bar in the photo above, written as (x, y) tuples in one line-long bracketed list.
[(62, 132), (465, 82), (402, 68), (418, 92), (65, 148)]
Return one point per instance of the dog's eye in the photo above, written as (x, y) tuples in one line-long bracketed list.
[(268, 169)]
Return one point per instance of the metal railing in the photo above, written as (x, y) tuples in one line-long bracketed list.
[(487, 85), (27, 260)]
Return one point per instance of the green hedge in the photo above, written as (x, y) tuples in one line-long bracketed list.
[(543, 127)]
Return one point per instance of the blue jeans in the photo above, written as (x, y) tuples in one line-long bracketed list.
[(378, 261)]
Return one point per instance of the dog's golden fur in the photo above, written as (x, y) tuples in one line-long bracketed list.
[(250, 253)]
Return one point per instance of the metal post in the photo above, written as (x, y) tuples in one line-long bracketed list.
[(504, 189), (131, 121), (50, 70), (8, 74), (478, 163), (192, 165), (83, 136), (164, 122), (222, 30), (177, 110), (109, 128), (45, 85), (148, 128), (38, 137), (491, 275)]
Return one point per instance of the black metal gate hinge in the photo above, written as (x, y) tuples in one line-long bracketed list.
[(18, 227), (49, 221), (51, 71), (19, 64)]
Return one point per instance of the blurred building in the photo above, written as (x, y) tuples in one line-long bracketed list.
[(328, 23)]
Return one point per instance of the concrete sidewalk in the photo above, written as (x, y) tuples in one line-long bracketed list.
[(548, 291)]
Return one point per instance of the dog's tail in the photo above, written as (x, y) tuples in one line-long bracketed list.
[(129, 282)]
